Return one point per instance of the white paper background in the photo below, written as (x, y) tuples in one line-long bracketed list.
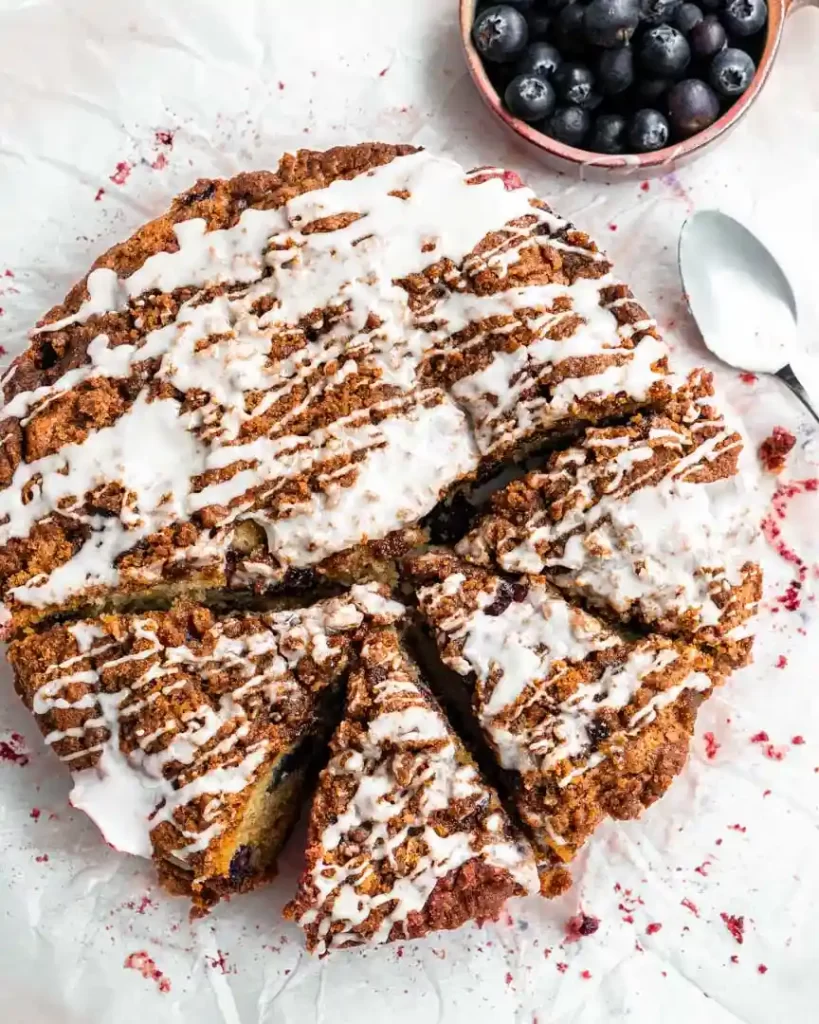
[(84, 85)]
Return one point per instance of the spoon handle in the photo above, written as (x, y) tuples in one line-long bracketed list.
[(787, 376)]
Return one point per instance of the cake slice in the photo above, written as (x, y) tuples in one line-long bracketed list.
[(405, 837), (190, 736), (584, 722), (275, 381), (646, 521)]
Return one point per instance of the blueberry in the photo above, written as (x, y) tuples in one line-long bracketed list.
[(692, 106), (611, 22), (664, 52), (609, 134), (569, 30), (539, 59), (574, 84), (648, 131), (656, 11), (652, 90), (538, 23), (530, 97), (500, 33), (708, 37), (553, 6), (731, 72), (744, 17), (687, 17), (569, 125), (711, 6), (522, 5), (241, 864), (615, 72)]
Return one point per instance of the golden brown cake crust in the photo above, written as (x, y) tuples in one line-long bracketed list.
[(168, 719), (277, 361), (585, 723), (399, 779)]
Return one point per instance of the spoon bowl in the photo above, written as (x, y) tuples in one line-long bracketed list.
[(740, 297)]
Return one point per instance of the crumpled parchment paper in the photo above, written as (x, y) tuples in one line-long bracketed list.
[(109, 109)]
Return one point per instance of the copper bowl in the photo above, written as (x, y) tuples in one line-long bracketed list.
[(598, 166)]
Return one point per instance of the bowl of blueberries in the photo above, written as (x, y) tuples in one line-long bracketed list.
[(613, 87)]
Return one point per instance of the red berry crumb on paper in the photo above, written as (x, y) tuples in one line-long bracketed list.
[(653, 928), (690, 906), (645, 186), (508, 978), (762, 969), (760, 737), (774, 753), (120, 176), (781, 662), (580, 926), (42, 859), (562, 967), (585, 975), (219, 962), (164, 137), (143, 963), (14, 750), (711, 746), (734, 959), (798, 741), (35, 813), (160, 162), (612, 227), (511, 181), (774, 450), (748, 378), (735, 925), (383, 72), (738, 828), (99, 195), (702, 869), (281, 86)]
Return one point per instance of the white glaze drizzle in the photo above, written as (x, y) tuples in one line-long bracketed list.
[(667, 548), (128, 793), (414, 211), (386, 811), (516, 656)]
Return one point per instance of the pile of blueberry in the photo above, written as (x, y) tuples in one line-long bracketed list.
[(620, 76)]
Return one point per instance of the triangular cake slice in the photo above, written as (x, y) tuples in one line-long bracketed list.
[(585, 723), (405, 836), (190, 736), (647, 521)]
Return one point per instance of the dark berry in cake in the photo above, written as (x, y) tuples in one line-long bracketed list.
[(686, 17), (569, 125), (654, 12), (615, 71), (692, 106), (574, 84), (650, 91), (300, 578), (569, 30), (744, 17), (664, 52), (500, 33), (707, 38), (731, 72), (241, 864), (647, 131), (538, 22), (611, 22), (530, 97), (539, 59), (609, 134)]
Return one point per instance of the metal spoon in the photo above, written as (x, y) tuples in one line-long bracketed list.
[(743, 303)]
